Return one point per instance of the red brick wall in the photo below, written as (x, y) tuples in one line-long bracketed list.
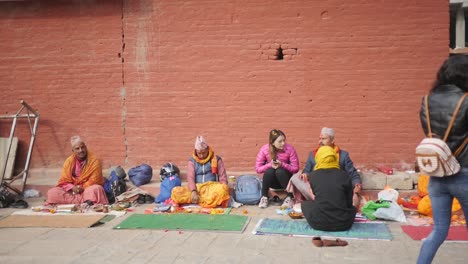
[(140, 79)]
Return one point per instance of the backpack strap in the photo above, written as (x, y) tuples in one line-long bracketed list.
[(447, 132), (455, 112), (426, 106), (461, 147)]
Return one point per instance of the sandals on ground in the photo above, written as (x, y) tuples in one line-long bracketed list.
[(319, 242), (22, 204)]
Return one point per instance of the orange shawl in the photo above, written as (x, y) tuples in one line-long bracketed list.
[(91, 173), (211, 156)]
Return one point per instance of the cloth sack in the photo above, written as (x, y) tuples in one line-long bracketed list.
[(166, 188), (140, 174), (211, 194)]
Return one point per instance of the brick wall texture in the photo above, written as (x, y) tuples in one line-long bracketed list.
[(139, 79)]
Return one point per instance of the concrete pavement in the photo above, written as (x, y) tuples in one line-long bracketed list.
[(102, 244)]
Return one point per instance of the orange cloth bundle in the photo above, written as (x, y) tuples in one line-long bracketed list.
[(211, 194)]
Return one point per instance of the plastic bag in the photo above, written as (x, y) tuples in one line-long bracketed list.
[(31, 193), (394, 213), (388, 194)]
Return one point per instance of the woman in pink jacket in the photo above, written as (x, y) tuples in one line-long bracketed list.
[(278, 161)]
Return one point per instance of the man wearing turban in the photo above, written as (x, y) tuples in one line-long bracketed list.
[(81, 179), (206, 179), (332, 207)]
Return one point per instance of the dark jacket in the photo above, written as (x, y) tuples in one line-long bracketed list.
[(442, 102), (332, 209), (346, 164)]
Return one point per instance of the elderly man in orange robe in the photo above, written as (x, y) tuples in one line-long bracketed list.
[(81, 180)]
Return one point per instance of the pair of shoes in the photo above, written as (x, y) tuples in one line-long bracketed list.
[(149, 199), (288, 202), (275, 200), (141, 199), (263, 202), (319, 242), (22, 204), (145, 199)]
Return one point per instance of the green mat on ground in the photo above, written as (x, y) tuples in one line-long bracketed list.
[(189, 222), (371, 231)]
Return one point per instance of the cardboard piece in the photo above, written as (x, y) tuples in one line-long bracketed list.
[(53, 221), (11, 157)]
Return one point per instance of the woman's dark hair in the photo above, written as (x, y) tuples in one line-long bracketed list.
[(274, 134), (453, 71)]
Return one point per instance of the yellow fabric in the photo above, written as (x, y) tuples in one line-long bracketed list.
[(423, 183), (181, 195), (425, 207), (337, 151), (91, 173), (211, 156), (211, 194), (326, 158)]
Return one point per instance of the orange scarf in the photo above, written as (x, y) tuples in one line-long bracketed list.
[(211, 156), (90, 174)]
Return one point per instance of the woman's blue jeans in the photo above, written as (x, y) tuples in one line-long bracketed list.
[(442, 191)]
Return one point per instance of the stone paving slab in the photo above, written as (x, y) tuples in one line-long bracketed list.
[(102, 244)]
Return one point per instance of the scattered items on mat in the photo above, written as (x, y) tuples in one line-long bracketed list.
[(319, 242), (48, 212), (100, 208), (295, 215), (79, 208), (283, 211), (161, 207)]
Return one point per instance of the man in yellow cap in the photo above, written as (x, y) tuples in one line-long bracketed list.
[(332, 207)]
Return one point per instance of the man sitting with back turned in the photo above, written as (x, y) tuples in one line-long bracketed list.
[(299, 184), (81, 180)]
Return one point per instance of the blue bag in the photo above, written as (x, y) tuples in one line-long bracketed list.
[(140, 174), (248, 189), (166, 188), (114, 186)]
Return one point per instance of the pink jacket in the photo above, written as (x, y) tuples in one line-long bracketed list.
[(287, 156)]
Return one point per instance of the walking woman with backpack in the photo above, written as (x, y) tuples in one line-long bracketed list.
[(450, 86)]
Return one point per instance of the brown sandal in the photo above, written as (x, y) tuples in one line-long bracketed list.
[(317, 241), (334, 243)]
